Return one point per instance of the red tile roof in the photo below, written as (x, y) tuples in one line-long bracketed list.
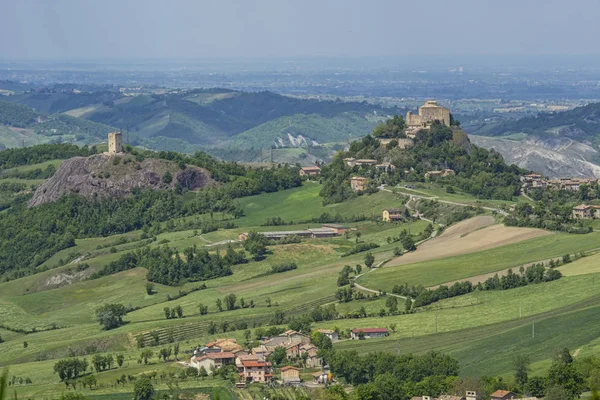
[(371, 330), (500, 393), (288, 367), (256, 364)]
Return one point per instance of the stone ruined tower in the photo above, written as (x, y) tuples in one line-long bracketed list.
[(115, 142)]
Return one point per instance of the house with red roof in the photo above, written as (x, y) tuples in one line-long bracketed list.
[(503, 395), (369, 333), (255, 371)]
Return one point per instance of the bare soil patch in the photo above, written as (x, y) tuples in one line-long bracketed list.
[(473, 235)]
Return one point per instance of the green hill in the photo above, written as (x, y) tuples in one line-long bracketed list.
[(187, 120)]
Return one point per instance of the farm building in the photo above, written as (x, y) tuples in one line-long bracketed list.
[(337, 228), (290, 375), (321, 377), (313, 233), (310, 171), (392, 214), (358, 183), (369, 333)]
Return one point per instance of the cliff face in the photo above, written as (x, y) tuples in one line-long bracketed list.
[(101, 176)]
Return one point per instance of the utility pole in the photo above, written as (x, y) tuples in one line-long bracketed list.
[(520, 309), (533, 330)]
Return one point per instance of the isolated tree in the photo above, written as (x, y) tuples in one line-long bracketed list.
[(176, 350), (358, 236), (179, 311), (358, 269), (369, 259), (143, 389), (150, 288), (230, 300), (167, 312), (120, 360), (110, 316), (203, 309), (521, 364), (392, 304), (219, 305), (146, 355)]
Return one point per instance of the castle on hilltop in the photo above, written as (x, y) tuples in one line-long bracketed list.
[(428, 113), (115, 142)]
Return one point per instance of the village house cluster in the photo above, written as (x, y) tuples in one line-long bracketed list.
[(253, 365), (581, 211), (536, 181)]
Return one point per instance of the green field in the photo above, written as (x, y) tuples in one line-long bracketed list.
[(468, 265), (479, 329)]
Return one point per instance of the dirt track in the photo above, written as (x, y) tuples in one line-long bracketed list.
[(473, 235)]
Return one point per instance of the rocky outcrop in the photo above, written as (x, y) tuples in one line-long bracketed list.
[(102, 175)]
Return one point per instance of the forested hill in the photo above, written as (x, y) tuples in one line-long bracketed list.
[(479, 172), (188, 120), (579, 123)]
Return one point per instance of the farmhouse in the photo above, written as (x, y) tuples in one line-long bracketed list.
[(290, 375), (255, 371), (358, 183), (369, 333), (311, 351), (215, 360), (392, 214), (310, 171), (429, 113), (583, 211), (350, 161), (330, 333)]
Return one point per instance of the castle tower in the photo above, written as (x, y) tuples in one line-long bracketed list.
[(115, 142)]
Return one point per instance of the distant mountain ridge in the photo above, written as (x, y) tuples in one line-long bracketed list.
[(213, 118)]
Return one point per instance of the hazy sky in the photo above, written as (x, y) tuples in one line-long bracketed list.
[(168, 29)]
